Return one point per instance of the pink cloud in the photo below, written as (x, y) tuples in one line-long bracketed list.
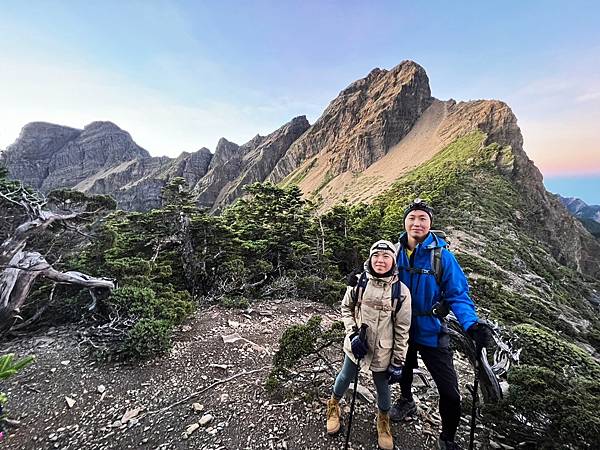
[(564, 145)]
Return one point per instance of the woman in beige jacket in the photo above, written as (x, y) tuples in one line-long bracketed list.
[(384, 348)]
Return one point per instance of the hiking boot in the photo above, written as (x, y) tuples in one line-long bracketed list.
[(333, 416), (403, 408), (447, 445), (385, 441)]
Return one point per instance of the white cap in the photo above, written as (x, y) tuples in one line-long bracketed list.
[(383, 246)]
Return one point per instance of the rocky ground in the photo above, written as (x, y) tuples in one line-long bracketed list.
[(207, 393)]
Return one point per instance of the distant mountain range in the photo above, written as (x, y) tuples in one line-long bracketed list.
[(581, 209), (589, 215), (377, 131)]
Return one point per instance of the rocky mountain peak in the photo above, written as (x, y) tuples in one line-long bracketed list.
[(362, 123), (404, 73), (254, 142), (225, 151), (573, 204), (27, 159), (233, 167), (100, 125), (36, 130), (48, 156)]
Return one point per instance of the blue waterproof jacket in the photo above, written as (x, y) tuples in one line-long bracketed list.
[(425, 328)]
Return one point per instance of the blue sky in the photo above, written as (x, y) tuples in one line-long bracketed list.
[(587, 188), (178, 75)]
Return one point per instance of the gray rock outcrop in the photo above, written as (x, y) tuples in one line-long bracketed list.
[(47, 156)]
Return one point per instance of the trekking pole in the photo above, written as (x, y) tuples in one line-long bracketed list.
[(475, 400), (363, 337)]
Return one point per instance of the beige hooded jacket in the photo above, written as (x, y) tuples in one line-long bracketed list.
[(385, 339)]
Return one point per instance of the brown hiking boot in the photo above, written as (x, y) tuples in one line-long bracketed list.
[(384, 432), (333, 416)]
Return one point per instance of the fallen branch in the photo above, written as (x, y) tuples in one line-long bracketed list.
[(12, 422), (202, 391)]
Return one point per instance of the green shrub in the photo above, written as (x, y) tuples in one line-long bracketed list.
[(144, 302), (10, 367), (543, 348), (299, 341), (147, 338), (235, 302), (548, 410), (316, 289)]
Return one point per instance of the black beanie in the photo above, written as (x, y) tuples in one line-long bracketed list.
[(419, 205)]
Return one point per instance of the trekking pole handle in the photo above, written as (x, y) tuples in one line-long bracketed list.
[(362, 334)]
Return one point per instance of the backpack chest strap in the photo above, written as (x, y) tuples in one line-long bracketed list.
[(378, 305), (417, 270)]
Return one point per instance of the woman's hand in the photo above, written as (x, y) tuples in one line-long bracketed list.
[(360, 348), (358, 342), (394, 373)]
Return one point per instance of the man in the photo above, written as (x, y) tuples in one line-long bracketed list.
[(431, 293)]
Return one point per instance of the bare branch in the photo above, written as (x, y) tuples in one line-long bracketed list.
[(196, 394), (38, 313), (17, 279)]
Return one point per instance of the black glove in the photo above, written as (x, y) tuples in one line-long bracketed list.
[(394, 374), (440, 310), (351, 278), (358, 342), (481, 334), (359, 347)]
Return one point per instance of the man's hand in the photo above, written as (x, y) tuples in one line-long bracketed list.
[(481, 334), (394, 374)]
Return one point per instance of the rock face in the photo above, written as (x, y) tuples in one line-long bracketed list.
[(103, 159), (29, 158), (49, 156), (257, 158), (363, 122), (233, 166), (137, 184)]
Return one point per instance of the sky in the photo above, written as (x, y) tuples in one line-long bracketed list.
[(178, 75)]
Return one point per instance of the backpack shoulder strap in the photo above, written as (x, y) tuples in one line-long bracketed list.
[(397, 299), (436, 264), (359, 289), (436, 258)]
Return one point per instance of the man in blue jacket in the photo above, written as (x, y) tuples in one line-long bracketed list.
[(421, 255)]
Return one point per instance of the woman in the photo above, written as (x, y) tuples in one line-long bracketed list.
[(382, 303)]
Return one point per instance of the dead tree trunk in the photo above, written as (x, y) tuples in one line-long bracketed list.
[(21, 268), (17, 279)]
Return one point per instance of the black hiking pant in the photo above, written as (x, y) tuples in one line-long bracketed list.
[(438, 361)]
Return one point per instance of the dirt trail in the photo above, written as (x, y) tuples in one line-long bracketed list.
[(244, 415)]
